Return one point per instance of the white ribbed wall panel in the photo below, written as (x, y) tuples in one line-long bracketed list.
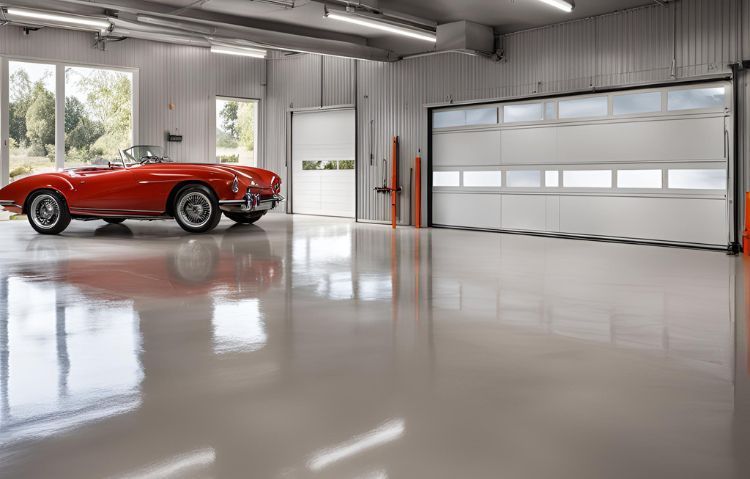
[(620, 49), (189, 77)]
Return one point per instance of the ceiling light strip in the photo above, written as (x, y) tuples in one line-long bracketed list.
[(244, 52), (58, 18), (386, 27), (561, 4)]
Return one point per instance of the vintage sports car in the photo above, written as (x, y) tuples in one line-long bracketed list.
[(144, 185)]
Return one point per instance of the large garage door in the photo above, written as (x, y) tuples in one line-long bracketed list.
[(323, 152), (646, 164)]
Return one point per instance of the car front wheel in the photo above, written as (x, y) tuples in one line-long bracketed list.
[(196, 209), (48, 213)]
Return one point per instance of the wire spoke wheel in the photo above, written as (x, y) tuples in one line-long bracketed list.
[(45, 211), (195, 209)]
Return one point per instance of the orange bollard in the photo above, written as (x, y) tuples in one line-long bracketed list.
[(418, 190), (746, 233), (394, 180)]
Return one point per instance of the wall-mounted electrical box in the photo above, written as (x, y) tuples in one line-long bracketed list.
[(174, 138)]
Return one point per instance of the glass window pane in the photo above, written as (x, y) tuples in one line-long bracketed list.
[(346, 164), (587, 179), (523, 179), (448, 118), (552, 179), (483, 178), (550, 112), (698, 179), (445, 178), (98, 115), (32, 118), (527, 112), (236, 131), (636, 103), (583, 107), (696, 98), (481, 116), (639, 179)]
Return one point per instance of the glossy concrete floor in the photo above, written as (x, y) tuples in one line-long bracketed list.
[(309, 347)]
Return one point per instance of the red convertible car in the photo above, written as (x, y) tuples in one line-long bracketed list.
[(144, 185)]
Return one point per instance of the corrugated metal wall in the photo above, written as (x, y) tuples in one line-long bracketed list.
[(189, 77), (685, 39)]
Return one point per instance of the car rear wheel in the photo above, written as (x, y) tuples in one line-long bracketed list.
[(48, 214), (245, 218), (114, 221), (196, 209)]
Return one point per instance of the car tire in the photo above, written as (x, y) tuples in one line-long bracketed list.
[(48, 212), (245, 218), (114, 221), (196, 209)]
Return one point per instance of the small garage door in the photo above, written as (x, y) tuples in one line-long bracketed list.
[(646, 164), (323, 153)]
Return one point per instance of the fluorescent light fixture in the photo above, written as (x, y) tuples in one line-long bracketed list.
[(386, 27), (561, 4), (241, 51), (59, 18), (390, 431)]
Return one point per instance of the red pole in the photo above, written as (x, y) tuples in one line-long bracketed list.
[(394, 179), (418, 190)]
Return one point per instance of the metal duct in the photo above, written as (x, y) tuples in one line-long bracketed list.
[(227, 31)]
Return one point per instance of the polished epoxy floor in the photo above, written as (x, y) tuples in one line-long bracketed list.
[(309, 347)]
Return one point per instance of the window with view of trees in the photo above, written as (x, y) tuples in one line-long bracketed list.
[(98, 116), (32, 118), (236, 131)]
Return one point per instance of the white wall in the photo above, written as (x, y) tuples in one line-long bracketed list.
[(189, 77)]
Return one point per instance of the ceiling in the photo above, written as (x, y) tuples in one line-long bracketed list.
[(503, 15), (306, 24)]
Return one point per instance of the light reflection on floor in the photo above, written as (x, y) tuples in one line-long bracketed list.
[(313, 347)]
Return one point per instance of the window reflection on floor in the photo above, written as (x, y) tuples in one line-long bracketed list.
[(65, 364), (238, 326)]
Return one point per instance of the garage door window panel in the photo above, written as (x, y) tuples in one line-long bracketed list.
[(482, 179), (587, 179), (481, 116), (449, 118), (696, 99), (523, 179), (521, 113), (584, 107), (552, 179), (636, 103), (446, 178), (647, 179), (697, 179)]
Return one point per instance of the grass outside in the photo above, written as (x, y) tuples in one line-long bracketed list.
[(245, 157)]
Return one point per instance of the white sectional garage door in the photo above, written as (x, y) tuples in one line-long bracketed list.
[(323, 152), (646, 164)]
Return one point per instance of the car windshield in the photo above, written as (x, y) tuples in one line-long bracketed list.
[(135, 154)]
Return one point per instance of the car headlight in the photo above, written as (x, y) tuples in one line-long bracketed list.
[(235, 185)]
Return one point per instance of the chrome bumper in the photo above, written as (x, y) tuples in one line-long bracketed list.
[(251, 202), (9, 203)]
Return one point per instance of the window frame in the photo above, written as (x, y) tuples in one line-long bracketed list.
[(59, 104)]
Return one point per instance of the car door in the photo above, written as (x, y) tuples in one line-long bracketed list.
[(104, 189)]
